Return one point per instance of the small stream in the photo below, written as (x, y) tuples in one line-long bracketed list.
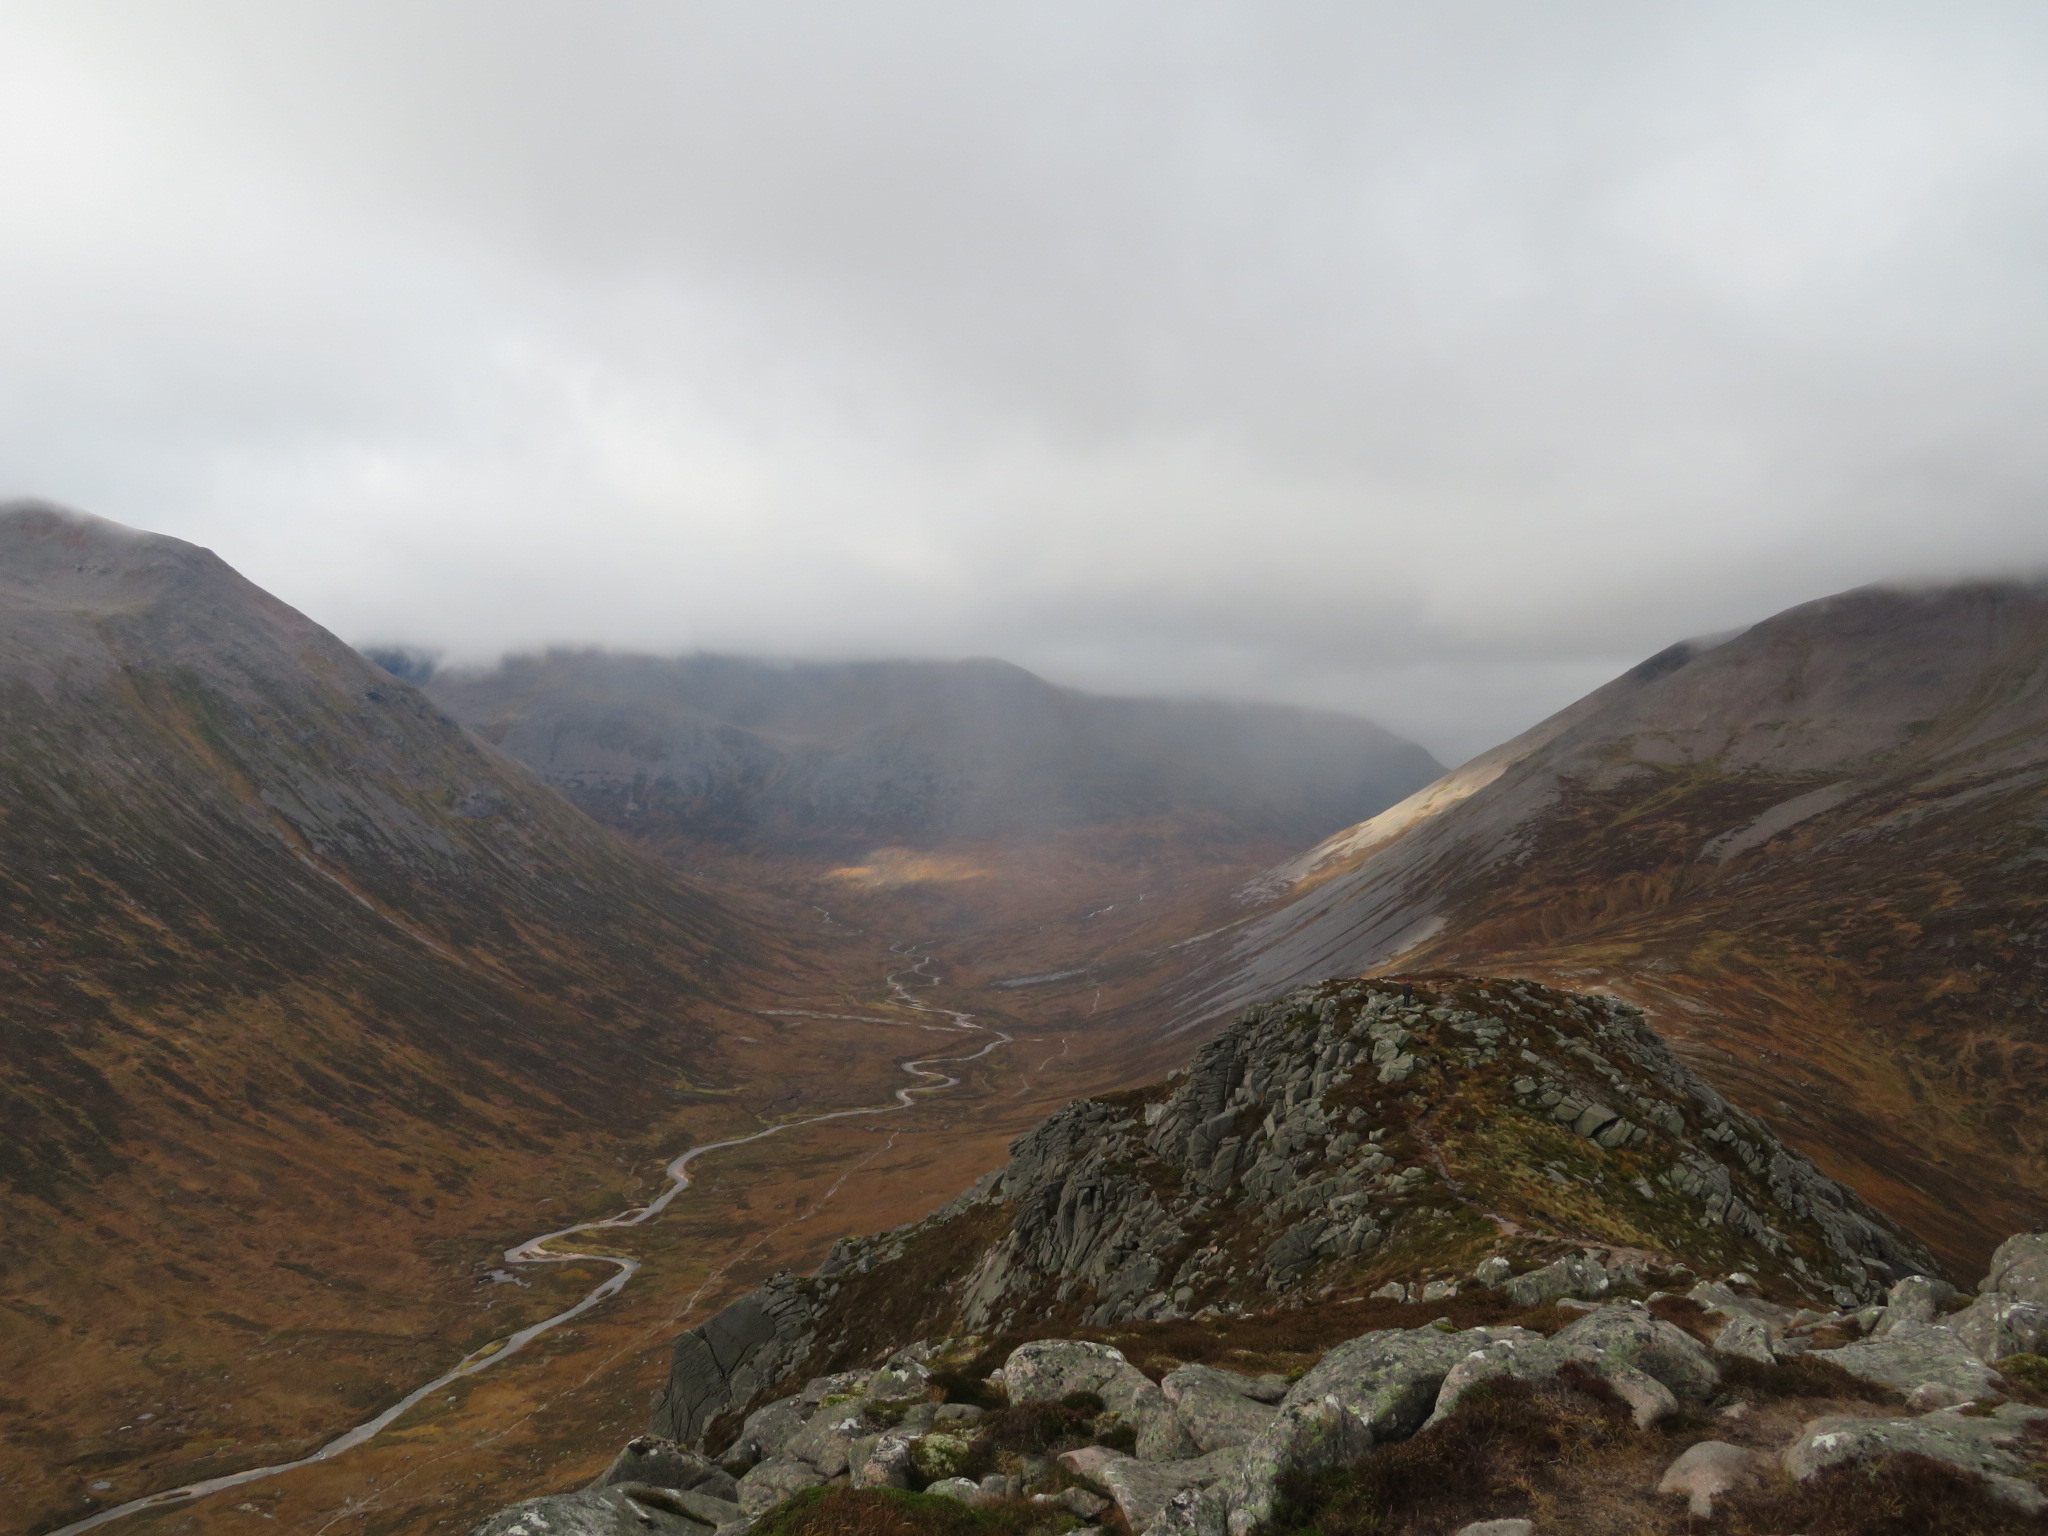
[(536, 1250)]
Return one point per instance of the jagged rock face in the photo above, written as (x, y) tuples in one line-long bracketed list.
[(1347, 1132)]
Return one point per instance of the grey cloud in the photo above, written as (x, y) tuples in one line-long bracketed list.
[(1433, 361)]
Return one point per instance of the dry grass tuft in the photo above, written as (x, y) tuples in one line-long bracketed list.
[(1507, 1447), (1802, 1376), (1901, 1496)]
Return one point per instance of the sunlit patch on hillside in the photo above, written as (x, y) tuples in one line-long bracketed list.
[(888, 868)]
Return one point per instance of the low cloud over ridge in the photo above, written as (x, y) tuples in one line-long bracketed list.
[(1434, 363)]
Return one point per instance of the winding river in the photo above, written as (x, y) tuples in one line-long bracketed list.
[(536, 1250)]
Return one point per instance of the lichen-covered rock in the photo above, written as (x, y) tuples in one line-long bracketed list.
[(1745, 1338), (1912, 1357), (660, 1463), (1217, 1408), (1573, 1276), (1389, 1380), (1531, 1357), (1996, 1447), (939, 1454), (2020, 1269), (826, 1440), (887, 1463), (1635, 1337), (1380, 1386), (964, 1489), (1914, 1302), (616, 1511), (1046, 1370), (1142, 1489), (774, 1480), (1996, 1326), (766, 1431)]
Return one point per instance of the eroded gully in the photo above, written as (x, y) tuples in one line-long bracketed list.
[(537, 1250)]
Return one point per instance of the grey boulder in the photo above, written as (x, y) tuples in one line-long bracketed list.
[(1745, 1338), (1996, 1447), (1914, 1356), (1914, 1302), (1535, 1358), (1217, 1408), (767, 1430), (1143, 1489), (662, 1463), (2020, 1269), (1380, 1386), (1996, 1325), (1046, 1370), (1635, 1337), (626, 1510), (774, 1480), (1574, 1276)]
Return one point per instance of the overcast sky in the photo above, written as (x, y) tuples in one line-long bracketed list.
[(1435, 361)]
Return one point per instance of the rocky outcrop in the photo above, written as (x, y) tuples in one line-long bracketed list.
[(1213, 1452), (1649, 1364), (1298, 1152), (1996, 1447), (1141, 1489), (1221, 1408), (1051, 1370), (746, 1349)]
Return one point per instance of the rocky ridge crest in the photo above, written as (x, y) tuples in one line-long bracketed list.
[(1353, 1135)]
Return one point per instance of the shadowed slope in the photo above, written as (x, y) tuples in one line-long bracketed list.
[(287, 960)]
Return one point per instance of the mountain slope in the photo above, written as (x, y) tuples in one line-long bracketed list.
[(1812, 849), (839, 756), (288, 960)]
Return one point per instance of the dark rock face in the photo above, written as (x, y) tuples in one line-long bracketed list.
[(768, 755), (1323, 1140), (730, 1360)]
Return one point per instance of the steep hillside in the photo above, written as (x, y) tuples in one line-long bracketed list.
[(838, 757), (1811, 849), (304, 991)]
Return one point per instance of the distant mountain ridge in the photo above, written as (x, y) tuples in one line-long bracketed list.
[(745, 752), (1812, 849)]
